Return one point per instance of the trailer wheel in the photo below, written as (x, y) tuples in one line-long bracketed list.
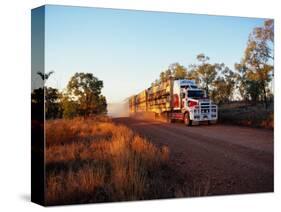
[(169, 118), (156, 115), (187, 120)]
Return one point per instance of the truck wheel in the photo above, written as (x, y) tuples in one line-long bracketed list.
[(187, 120), (169, 118), (156, 116)]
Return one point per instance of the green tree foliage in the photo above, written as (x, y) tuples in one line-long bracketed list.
[(224, 85), (193, 74), (44, 98), (249, 90), (51, 98), (162, 76), (37, 104), (256, 67), (83, 96), (175, 71), (168, 74), (178, 71), (204, 73), (102, 104), (70, 107), (37, 96), (264, 37), (53, 105)]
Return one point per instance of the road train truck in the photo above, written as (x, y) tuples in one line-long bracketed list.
[(179, 99)]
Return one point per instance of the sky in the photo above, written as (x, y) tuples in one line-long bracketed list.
[(127, 49)]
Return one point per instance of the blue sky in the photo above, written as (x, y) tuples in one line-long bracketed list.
[(128, 49)]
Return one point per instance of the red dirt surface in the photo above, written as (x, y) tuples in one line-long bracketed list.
[(217, 158)]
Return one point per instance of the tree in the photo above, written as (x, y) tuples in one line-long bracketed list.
[(249, 90), (224, 85), (70, 107), (53, 107), (256, 68), (175, 71), (204, 73), (162, 76), (37, 96), (193, 74), (84, 95), (178, 71), (47, 98), (102, 105), (168, 74), (265, 36)]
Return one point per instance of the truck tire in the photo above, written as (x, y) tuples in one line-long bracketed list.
[(187, 120), (169, 118), (156, 116)]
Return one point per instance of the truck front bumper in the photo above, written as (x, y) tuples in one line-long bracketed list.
[(199, 114)]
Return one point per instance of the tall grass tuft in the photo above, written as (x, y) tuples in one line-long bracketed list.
[(95, 160)]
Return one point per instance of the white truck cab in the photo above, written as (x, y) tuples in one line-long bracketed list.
[(193, 102)]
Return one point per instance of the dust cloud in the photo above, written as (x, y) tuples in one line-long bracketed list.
[(120, 109)]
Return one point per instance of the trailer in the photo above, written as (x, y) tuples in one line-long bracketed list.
[(179, 99)]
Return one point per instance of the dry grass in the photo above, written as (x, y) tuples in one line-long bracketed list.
[(95, 160), (243, 113)]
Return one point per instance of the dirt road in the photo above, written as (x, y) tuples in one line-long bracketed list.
[(221, 159)]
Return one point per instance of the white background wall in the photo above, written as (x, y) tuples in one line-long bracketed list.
[(15, 104)]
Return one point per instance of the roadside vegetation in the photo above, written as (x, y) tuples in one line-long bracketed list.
[(247, 114), (95, 160), (81, 97)]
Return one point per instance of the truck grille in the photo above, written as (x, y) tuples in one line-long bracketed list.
[(205, 107), (205, 110), (205, 104)]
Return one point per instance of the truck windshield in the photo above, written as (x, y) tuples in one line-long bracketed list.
[(195, 94)]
